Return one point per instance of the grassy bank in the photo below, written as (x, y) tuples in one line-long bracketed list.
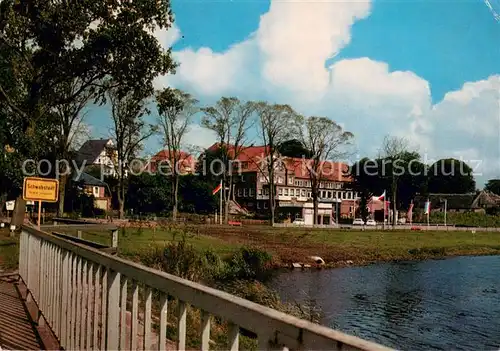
[(9, 252), (289, 245)]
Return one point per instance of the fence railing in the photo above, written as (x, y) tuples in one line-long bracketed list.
[(92, 300)]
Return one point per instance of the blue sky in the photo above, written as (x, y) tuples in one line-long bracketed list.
[(425, 70)]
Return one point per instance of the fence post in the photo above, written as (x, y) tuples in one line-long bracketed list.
[(113, 311), (114, 238)]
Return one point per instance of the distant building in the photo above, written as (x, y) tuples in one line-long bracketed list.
[(95, 187), (477, 201), (292, 184), (101, 152), (185, 161)]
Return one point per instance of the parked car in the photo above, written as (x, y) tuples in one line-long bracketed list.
[(299, 221), (358, 221), (371, 222)]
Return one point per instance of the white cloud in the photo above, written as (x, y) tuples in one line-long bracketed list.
[(295, 39), (284, 61), (199, 137)]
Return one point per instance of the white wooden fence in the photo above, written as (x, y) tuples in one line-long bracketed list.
[(86, 296)]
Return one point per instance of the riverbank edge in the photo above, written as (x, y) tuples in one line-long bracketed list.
[(364, 263)]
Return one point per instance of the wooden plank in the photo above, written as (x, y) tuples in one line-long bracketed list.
[(134, 317), (147, 318), (241, 312), (104, 308), (205, 331), (113, 311), (97, 306), (90, 305), (181, 326), (162, 334), (234, 337), (123, 314)]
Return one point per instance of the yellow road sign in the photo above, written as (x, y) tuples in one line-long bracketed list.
[(41, 189)]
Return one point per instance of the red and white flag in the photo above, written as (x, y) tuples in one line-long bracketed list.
[(410, 213), (217, 189), (381, 197)]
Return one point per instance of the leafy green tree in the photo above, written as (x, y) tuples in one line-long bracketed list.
[(451, 176), (148, 193), (493, 185), (272, 118), (327, 141), (45, 44), (294, 148), (129, 131), (196, 195), (230, 119), (176, 110)]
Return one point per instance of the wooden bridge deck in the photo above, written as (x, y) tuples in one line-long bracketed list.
[(17, 331)]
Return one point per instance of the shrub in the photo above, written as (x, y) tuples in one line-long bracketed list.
[(248, 263)]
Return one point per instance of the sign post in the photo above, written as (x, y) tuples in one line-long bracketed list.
[(40, 190)]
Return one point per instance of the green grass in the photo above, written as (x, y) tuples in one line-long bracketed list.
[(132, 241), (9, 251), (296, 244)]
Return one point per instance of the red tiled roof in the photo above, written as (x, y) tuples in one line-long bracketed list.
[(250, 154), (253, 155), (186, 161), (334, 171)]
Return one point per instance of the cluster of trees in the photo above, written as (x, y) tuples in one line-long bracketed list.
[(401, 173), (57, 56)]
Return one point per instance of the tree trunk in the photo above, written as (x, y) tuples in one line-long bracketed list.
[(175, 184), (19, 212), (394, 191), (315, 208), (228, 198), (62, 191), (272, 204), (3, 200), (272, 196), (121, 199)]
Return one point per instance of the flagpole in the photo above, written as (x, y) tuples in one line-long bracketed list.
[(385, 195), (411, 212), (428, 211), (220, 202)]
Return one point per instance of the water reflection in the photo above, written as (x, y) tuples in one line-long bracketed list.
[(431, 305)]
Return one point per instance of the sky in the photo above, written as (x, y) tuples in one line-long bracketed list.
[(426, 70)]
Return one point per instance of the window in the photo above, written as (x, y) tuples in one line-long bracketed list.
[(96, 191), (343, 195), (251, 192), (290, 180), (280, 180), (329, 194), (239, 192), (245, 192), (265, 205), (303, 192), (349, 195), (280, 191), (292, 192), (260, 191), (309, 194), (286, 191), (258, 205), (266, 192), (244, 165), (321, 184)]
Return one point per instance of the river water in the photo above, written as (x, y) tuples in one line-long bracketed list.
[(450, 304)]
